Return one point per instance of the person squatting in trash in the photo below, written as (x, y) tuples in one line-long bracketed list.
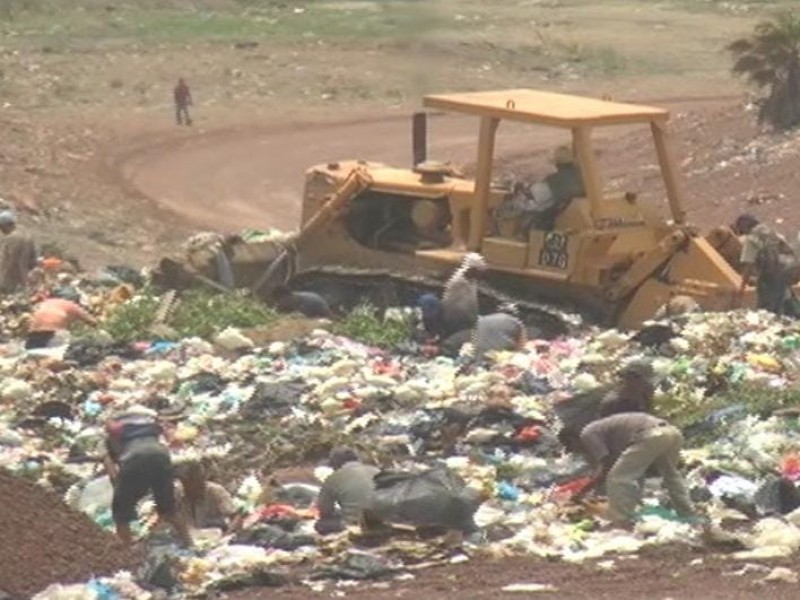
[(499, 331), (309, 304), (634, 391), (202, 503), (345, 493), (621, 448), (137, 464), (53, 315), (460, 298), (768, 254), (433, 333)]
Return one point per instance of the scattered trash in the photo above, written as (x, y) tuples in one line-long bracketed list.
[(529, 587)]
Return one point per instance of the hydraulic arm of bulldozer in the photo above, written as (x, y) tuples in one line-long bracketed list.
[(356, 182), (646, 265)]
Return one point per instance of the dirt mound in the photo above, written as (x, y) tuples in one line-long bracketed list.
[(46, 542)]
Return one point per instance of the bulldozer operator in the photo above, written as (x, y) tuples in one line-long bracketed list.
[(540, 203)]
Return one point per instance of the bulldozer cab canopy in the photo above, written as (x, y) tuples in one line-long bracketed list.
[(578, 114), (546, 108)]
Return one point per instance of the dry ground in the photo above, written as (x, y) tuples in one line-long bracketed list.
[(88, 142), (89, 152)]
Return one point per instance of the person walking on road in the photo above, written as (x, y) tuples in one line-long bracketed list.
[(183, 100)]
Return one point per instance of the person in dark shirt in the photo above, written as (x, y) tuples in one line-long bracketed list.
[(137, 464), (621, 448), (309, 304), (634, 393), (183, 100)]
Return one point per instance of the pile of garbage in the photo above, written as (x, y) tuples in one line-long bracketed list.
[(247, 408)]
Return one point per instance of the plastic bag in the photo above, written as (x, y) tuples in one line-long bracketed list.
[(434, 498), (357, 565)]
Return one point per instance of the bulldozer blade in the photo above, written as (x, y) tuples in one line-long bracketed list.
[(419, 138), (278, 272)]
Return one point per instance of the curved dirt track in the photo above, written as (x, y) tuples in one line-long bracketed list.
[(253, 176)]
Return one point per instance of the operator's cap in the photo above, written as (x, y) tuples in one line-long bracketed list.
[(473, 260), (563, 154), (638, 368), (8, 217)]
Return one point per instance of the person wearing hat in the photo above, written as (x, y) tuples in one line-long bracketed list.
[(622, 448), (53, 315), (345, 493), (499, 331), (432, 315), (138, 464), (17, 254), (567, 182), (634, 391), (768, 254), (460, 298)]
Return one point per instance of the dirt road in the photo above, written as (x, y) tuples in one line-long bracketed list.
[(240, 177), (254, 178)]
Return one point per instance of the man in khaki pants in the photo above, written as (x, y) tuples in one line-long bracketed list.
[(622, 447)]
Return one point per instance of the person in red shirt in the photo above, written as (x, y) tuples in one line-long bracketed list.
[(183, 100), (53, 315)]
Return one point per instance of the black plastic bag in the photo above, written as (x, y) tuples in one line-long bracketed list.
[(274, 399), (357, 565), (259, 578), (270, 536), (433, 498), (777, 496)]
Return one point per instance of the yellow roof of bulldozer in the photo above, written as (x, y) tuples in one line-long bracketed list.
[(547, 108)]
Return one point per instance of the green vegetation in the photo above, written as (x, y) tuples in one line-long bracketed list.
[(217, 21), (770, 60), (684, 407), (199, 313), (132, 320), (364, 324)]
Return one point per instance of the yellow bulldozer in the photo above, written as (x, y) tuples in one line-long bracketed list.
[(372, 231)]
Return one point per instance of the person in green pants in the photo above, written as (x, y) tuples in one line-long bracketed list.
[(622, 447)]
